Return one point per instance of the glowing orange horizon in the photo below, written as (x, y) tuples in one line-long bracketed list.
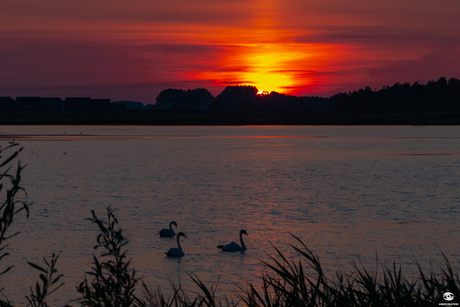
[(279, 66)]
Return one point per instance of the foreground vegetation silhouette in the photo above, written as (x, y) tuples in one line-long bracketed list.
[(111, 282)]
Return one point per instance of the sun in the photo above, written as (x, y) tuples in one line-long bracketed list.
[(272, 66), (263, 93), (285, 68)]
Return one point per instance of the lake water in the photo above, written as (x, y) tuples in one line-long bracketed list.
[(350, 193)]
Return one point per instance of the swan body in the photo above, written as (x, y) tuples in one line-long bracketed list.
[(168, 232), (176, 251), (234, 247)]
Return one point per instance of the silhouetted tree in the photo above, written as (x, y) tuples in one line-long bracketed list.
[(244, 99), (436, 96), (236, 98), (195, 97), (184, 100), (171, 96)]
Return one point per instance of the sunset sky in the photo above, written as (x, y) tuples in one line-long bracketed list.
[(131, 50)]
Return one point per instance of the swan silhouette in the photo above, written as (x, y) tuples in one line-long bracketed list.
[(12, 142), (234, 247), (176, 251), (168, 232)]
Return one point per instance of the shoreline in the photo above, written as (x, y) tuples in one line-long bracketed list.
[(161, 118)]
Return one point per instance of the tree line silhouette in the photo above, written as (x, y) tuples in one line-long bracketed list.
[(183, 99), (241, 99), (436, 96), (436, 102)]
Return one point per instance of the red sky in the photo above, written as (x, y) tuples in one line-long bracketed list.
[(131, 50)]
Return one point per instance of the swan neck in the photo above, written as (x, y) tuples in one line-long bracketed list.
[(241, 240), (178, 243)]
